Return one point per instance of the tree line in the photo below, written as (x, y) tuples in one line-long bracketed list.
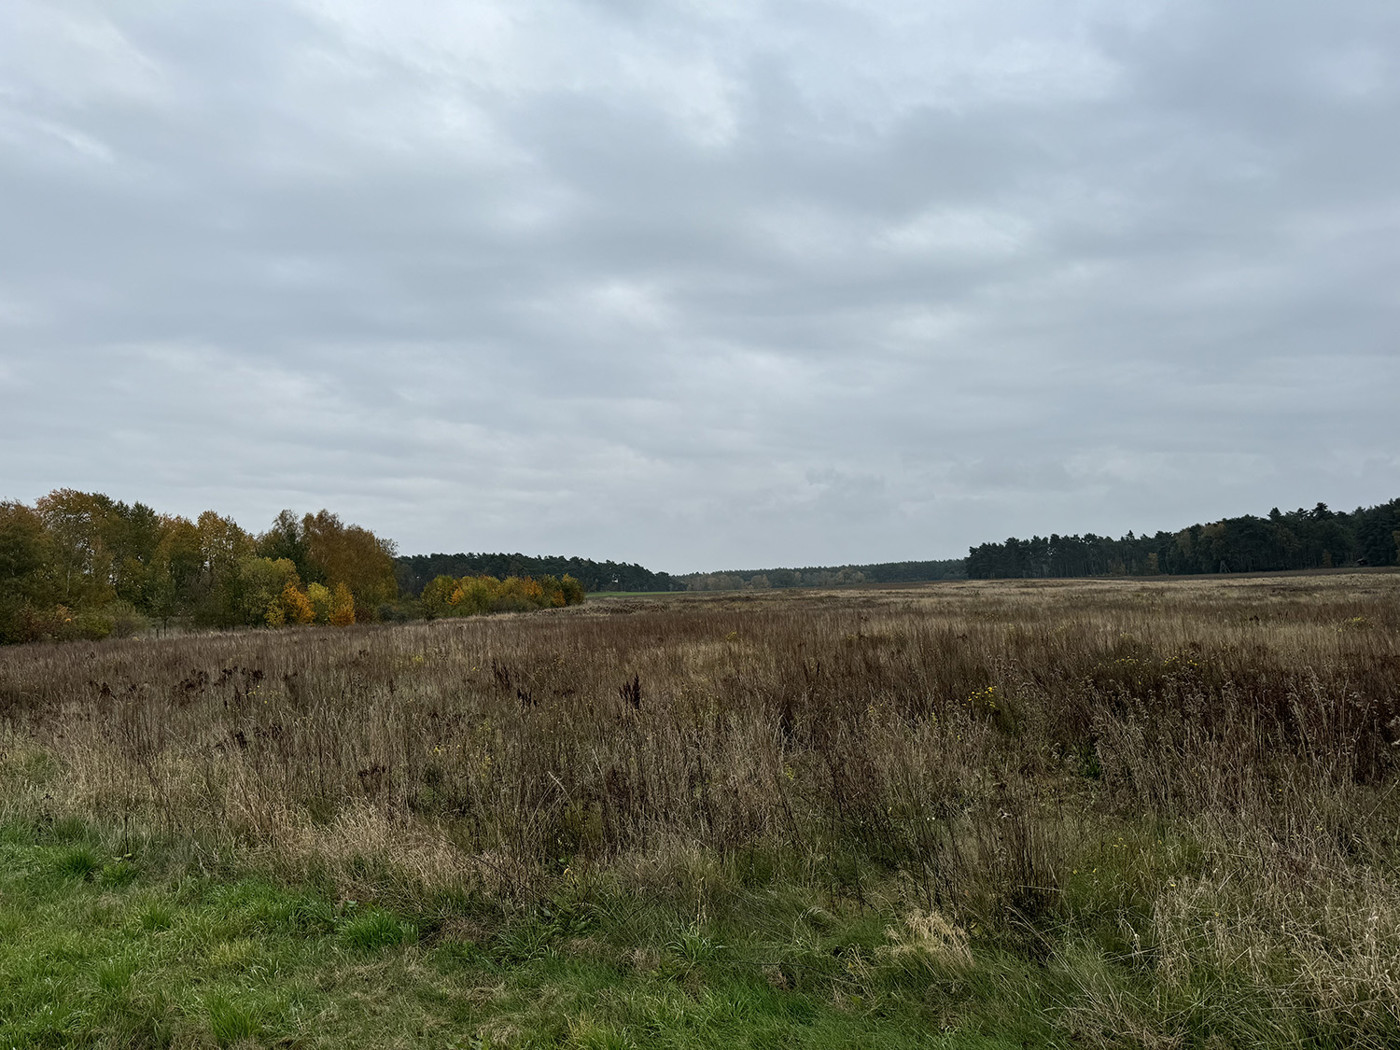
[(826, 575), (82, 565), (415, 572), (1299, 539)]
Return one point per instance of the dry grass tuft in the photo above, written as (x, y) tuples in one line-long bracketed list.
[(931, 937)]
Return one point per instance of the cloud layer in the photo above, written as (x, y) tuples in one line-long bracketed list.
[(703, 285)]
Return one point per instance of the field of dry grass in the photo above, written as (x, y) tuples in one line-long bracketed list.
[(1165, 810)]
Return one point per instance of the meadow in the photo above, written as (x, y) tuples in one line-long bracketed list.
[(1107, 813)]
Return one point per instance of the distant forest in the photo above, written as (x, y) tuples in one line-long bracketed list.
[(826, 576), (414, 572), (1299, 539)]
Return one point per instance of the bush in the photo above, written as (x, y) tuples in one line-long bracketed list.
[(89, 625), (393, 612), (475, 595), (127, 621), (436, 599)]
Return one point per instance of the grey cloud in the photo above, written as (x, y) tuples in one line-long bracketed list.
[(703, 285)]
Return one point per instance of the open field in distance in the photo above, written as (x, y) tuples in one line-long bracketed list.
[(1150, 813)]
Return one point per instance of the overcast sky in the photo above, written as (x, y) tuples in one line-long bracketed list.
[(707, 284)]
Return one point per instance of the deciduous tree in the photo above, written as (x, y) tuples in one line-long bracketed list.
[(342, 606)]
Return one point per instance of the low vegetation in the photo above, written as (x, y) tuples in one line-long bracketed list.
[(1102, 813), (827, 576), (478, 595)]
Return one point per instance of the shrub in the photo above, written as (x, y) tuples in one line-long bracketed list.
[(319, 596), (342, 606), (127, 621)]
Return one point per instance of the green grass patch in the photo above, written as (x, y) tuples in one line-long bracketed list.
[(129, 951)]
